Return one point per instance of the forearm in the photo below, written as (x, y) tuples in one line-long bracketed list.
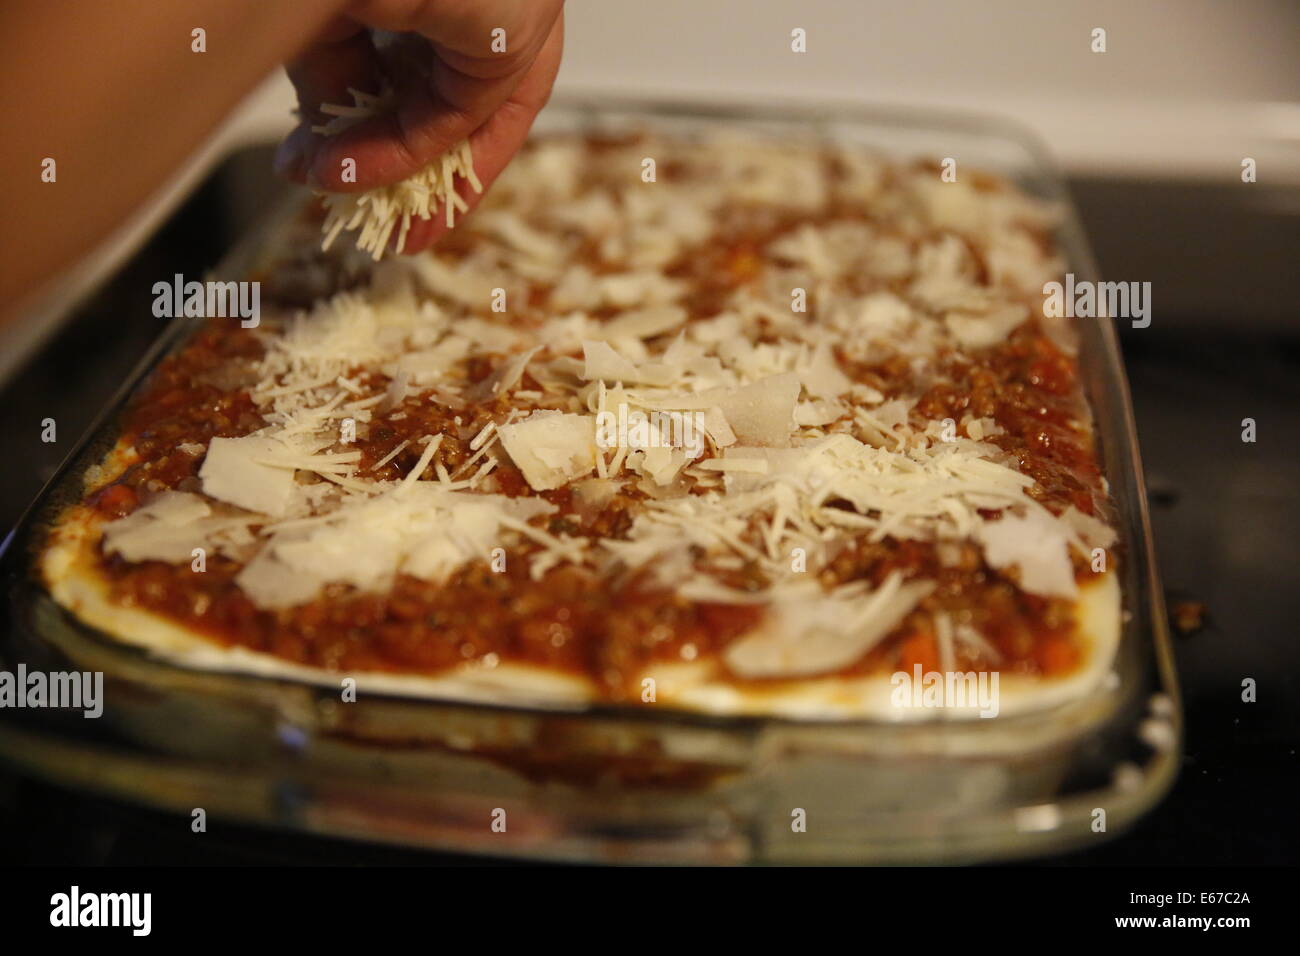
[(112, 91)]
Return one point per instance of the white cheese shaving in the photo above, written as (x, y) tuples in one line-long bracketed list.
[(1093, 532), (551, 449), (760, 414), (235, 471), (1035, 544), (818, 634), (980, 331)]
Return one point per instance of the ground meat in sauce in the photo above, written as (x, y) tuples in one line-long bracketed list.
[(570, 620)]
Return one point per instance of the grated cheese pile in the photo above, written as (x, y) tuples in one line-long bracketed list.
[(798, 457), (377, 212)]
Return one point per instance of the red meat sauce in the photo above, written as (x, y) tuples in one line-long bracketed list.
[(1031, 389), (568, 620), (571, 619)]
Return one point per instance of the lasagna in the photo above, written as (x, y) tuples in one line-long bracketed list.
[(720, 424)]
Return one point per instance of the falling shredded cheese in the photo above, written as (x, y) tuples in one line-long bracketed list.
[(376, 213)]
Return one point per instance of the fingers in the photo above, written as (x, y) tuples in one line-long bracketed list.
[(457, 87), (463, 30), (464, 81), (495, 143), (342, 58), (325, 70)]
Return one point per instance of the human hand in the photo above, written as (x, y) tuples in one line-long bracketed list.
[(461, 89)]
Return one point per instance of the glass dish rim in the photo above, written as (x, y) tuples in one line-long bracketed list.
[(812, 115)]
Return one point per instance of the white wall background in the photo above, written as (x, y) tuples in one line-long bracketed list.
[(1186, 87)]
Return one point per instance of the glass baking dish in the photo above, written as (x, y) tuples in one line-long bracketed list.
[(607, 784)]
